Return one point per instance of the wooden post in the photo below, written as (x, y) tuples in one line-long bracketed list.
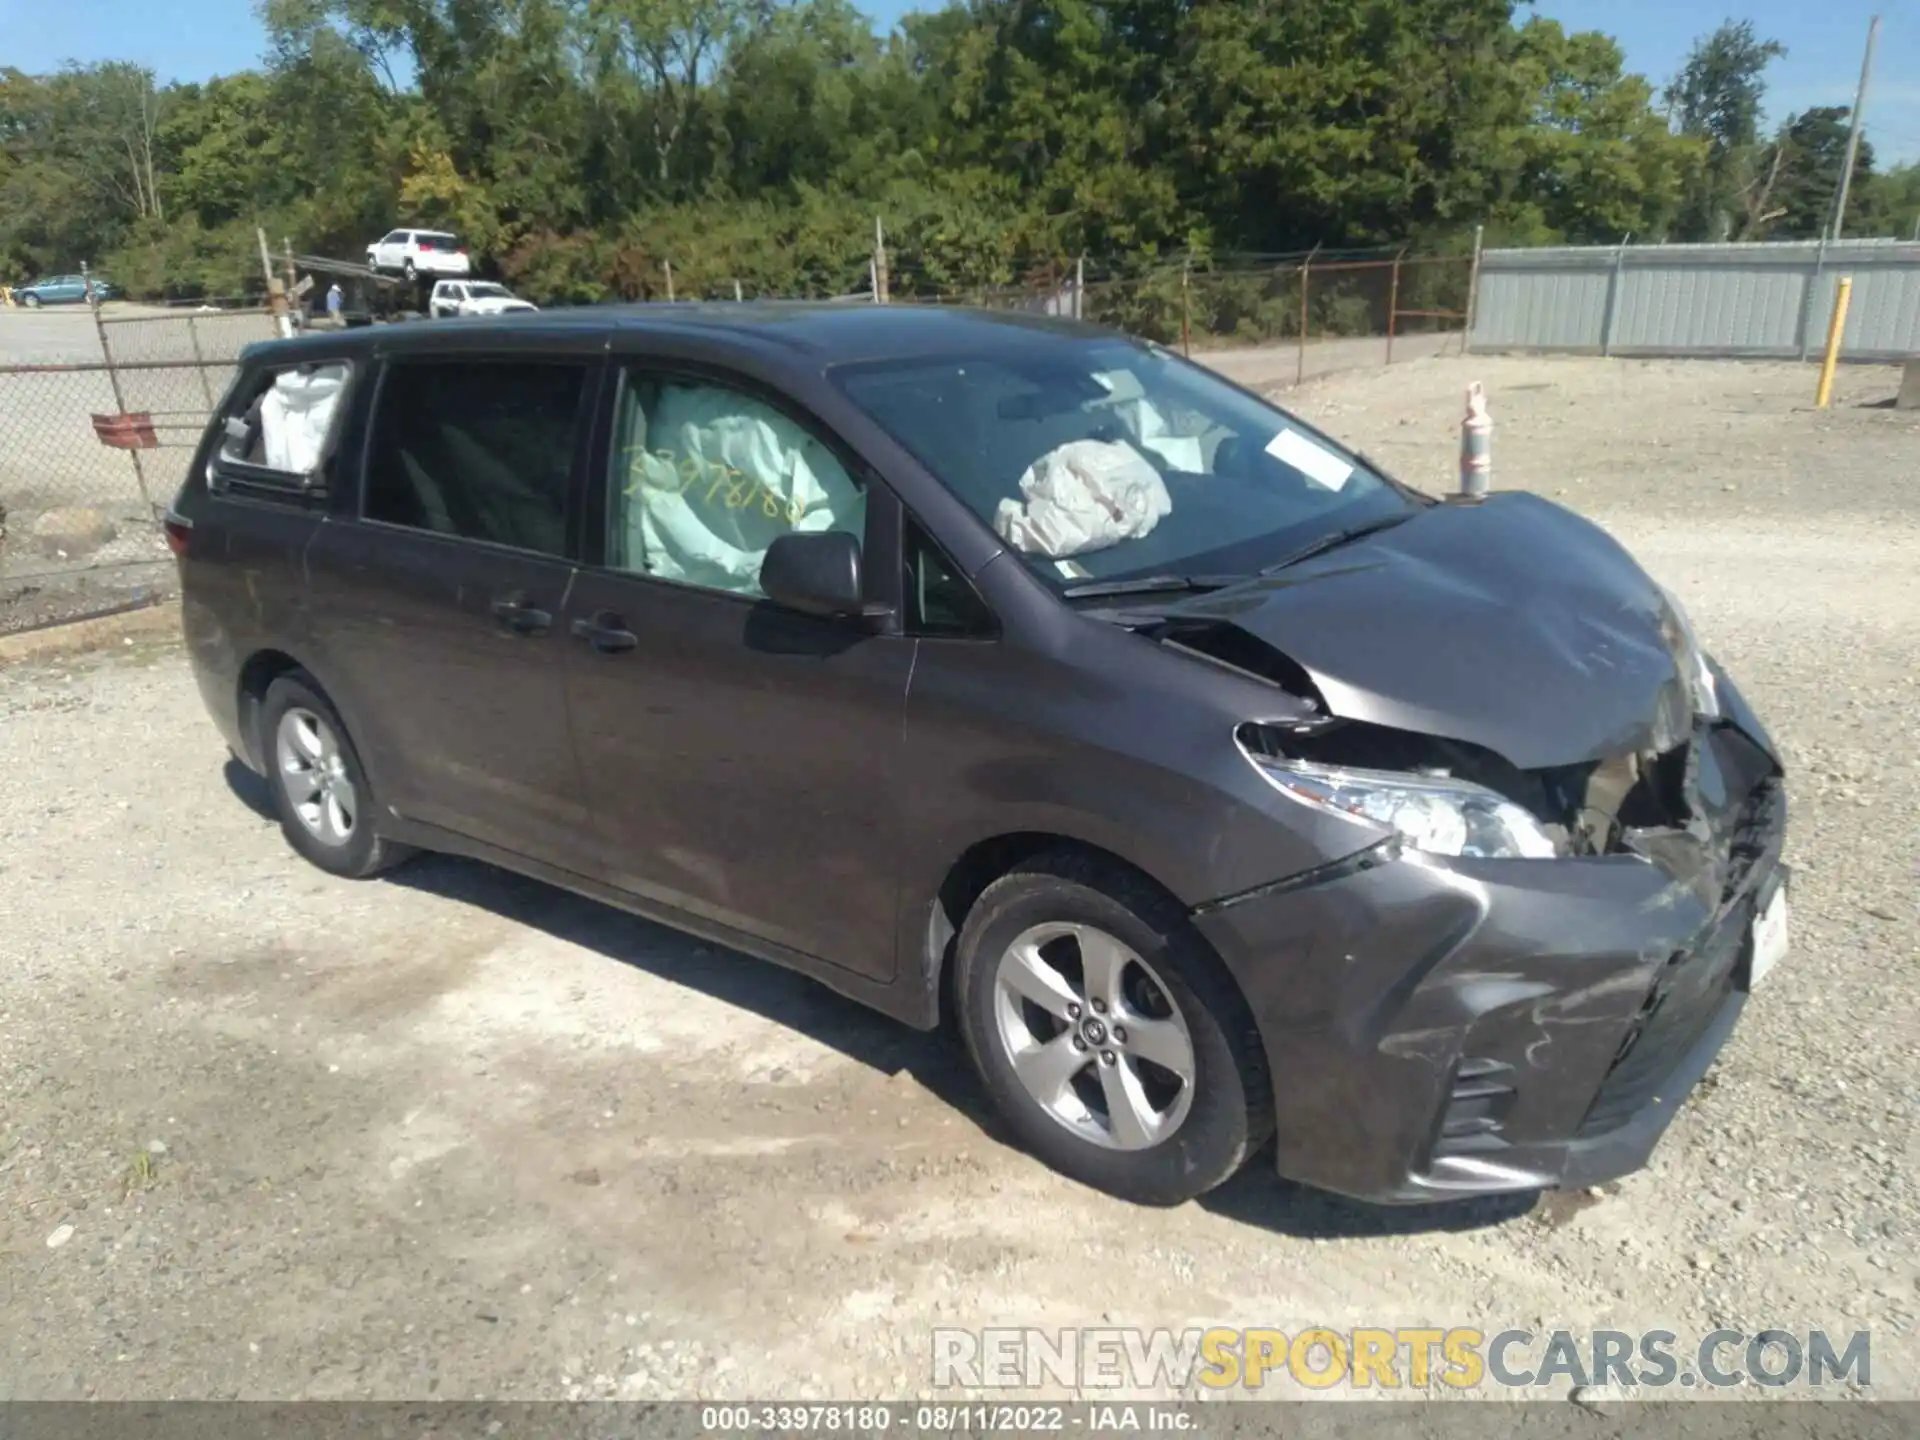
[(882, 290), (1186, 332), (1836, 332), (1080, 288), (276, 288), (1393, 301), (736, 292)]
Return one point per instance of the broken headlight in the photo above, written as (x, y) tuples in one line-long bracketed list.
[(1435, 813), (1702, 690)]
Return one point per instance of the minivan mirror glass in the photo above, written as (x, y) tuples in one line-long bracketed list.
[(816, 572)]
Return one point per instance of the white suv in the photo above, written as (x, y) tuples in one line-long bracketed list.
[(474, 297), (425, 252)]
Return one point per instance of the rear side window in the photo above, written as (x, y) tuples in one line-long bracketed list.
[(279, 425), (479, 449)]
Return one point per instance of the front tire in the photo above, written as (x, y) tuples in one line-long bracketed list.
[(1108, 1034), (320, 789), (32, 302)]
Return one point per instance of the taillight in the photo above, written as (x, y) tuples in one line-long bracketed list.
[(179, 532)]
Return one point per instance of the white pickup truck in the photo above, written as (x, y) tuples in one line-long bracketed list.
[(474, 297)]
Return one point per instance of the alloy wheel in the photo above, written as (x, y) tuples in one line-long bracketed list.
[(1093, 1036), (313, 770)]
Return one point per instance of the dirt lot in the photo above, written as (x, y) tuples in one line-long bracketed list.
[(268, 1134)]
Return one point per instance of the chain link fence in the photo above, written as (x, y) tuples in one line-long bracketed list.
[(1327, 311), (98, 409)]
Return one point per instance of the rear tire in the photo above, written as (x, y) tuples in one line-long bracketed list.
[(326, 805), (1107, 1032)]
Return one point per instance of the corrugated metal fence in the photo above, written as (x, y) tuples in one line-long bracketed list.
[(1764, 301)]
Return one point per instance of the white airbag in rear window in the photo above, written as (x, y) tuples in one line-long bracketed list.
[(295, 415)]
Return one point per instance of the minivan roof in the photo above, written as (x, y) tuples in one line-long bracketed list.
[(828, 332)]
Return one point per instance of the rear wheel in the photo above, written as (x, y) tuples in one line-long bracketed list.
[(1107, 1032), (320, 789)]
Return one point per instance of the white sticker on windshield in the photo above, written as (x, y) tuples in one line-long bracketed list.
[(1312, 460)]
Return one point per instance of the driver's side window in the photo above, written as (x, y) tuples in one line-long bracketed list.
[(705, 477)]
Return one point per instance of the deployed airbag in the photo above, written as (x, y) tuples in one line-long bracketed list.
[(717, 478), (295, 415), (1085, 495)]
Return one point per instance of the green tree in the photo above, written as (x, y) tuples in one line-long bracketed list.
[(1716, 99), (1802, 178), (1893, 202)]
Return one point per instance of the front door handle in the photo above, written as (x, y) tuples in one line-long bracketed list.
[(606, 632), (518, 615)]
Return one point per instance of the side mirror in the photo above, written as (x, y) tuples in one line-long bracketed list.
[(815, 572)]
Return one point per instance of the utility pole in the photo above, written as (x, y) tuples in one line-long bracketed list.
[(882, 289), (1853, 131)]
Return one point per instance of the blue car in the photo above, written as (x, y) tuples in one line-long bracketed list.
[(61, 289)]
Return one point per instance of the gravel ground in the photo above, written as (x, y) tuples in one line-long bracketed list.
[(268, 1134)]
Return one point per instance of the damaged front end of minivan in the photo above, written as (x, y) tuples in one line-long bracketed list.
[(1545, 931)]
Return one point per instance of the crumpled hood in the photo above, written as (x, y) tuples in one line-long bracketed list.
[(1514, 625)]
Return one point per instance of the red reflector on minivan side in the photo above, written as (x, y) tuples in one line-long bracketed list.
[(179, 532)]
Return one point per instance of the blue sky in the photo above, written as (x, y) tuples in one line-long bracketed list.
[(192, 39)]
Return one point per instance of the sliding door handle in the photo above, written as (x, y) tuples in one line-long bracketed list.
[(607, 633), (519, 616)]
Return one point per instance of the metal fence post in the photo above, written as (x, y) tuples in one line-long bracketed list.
[(1473, 291), (120, 401), (200, 360), (1613, 296), (1807, 301), (1306, 281), (1186, 318), (1393, 301)]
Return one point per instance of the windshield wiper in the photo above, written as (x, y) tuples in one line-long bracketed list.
[(1336, 539), (1151, 584)]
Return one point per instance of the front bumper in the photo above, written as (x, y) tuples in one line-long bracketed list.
[(1440, 1028)]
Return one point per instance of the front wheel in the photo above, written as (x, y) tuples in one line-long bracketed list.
[(1108, 1034), (32, 302)]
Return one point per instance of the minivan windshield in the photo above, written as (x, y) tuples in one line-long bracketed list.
[(1103, 460)]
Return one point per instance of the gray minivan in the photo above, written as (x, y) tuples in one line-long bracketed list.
[(1220, 788)]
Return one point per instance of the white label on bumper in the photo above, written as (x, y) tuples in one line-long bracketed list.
[(1769, 938)]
